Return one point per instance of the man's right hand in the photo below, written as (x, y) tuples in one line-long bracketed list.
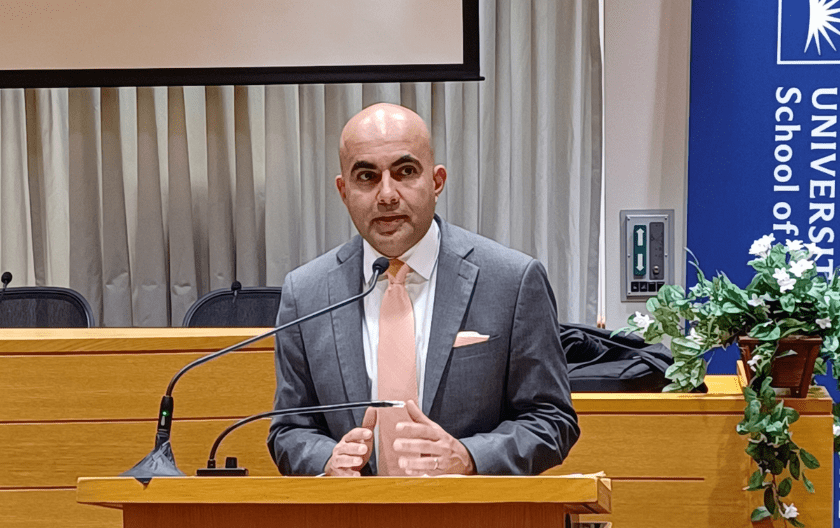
[(351, 454)]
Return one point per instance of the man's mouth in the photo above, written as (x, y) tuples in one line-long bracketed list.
[(390, 222)]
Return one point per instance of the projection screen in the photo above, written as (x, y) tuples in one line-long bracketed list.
[(48, 43)]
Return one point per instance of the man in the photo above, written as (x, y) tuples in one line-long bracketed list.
[(463, 329)]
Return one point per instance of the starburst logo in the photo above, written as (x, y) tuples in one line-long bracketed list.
[(808, 32), (822, 21)]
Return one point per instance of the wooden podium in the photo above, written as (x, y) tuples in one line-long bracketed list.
[(84, 402), (366, 502)]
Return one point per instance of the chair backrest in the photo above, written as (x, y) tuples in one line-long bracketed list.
[(44, 307), (241, 307)]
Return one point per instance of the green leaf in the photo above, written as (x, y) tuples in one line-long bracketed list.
[(759, 513), (808, 485), (784, 487), (625, 329), (796, 523), (791, 415), (752, 411), (808, 459), (784, 452), (653, 334), (685, 345), (755, 480), (788, 303), (820, 368), (776, 466), (793, 466), (769, 501), (730, 308), (768, 331), (673, 369)]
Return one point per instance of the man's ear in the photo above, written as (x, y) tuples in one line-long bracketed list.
[(439, 179), (339, 184)]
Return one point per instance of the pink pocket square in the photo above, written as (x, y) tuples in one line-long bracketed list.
[(469, 338)]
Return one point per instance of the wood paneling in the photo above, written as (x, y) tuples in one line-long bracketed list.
[(692, 460), (480, 502), (129, 386), (724, 397), (52, 341), (676, 503), (38, 455), (583, 489), (52, 509), (347, 516), (82, 403)]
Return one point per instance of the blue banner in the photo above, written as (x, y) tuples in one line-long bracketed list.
[(763, 137)]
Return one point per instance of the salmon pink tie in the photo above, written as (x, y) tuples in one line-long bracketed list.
[(396, 363)]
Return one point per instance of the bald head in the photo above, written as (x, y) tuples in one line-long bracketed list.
[(388, 179), (380, 123)]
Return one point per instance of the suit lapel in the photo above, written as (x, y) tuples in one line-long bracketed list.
[(456, 278), (345, 281)]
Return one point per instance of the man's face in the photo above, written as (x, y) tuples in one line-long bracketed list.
[(388, 180)]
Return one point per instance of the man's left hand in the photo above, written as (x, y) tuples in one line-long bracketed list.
[(426, 449)]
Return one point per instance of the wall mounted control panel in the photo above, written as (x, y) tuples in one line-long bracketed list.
[(647, 249)]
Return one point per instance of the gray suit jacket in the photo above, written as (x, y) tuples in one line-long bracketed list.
[(507, 399)]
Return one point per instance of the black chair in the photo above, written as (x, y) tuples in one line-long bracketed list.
[(44, 307), (236, 307)]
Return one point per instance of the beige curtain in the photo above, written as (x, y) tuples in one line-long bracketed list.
[(143, 199)]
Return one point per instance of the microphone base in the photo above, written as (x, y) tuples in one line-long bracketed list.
[(222, 472)]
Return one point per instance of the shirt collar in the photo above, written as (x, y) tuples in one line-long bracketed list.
[(421, 257)]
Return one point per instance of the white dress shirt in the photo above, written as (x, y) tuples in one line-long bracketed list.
[(420, 284)]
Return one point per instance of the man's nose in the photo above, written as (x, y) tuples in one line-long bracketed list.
[(388, 189)]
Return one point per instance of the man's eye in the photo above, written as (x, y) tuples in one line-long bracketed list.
[(408, 170), (365, 176)]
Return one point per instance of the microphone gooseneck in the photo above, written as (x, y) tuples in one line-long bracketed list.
[(377, 271), (211, 460), (160, 461)]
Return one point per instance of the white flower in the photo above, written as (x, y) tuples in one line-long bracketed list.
[(642, 321), (798, 267), (813, 249), (785, 282), (761, 247), (789, 511), (793, 245), (824, 323), (780, 274), (753, 363), (756, 300), (836, 430), (694, 336)]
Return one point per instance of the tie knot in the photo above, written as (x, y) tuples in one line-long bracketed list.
[(397, 271)]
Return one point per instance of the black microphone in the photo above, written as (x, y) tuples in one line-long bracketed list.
[(161, 462), (235, 287), (231, 468)]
